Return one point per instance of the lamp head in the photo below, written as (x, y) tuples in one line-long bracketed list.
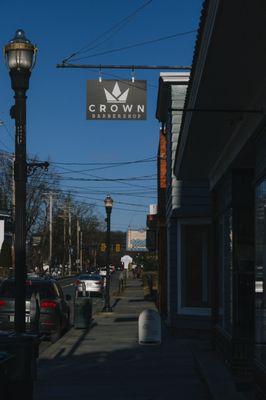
[(108, 201), (20, 53)]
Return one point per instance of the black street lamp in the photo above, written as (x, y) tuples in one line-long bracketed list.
[(20, 56), (108, 207)]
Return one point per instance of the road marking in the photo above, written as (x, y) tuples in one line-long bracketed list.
[(71, 284)]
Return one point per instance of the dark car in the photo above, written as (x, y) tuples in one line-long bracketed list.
[(54, 309)]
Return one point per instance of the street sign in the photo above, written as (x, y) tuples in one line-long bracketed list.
[(116, 100), (36, 240)]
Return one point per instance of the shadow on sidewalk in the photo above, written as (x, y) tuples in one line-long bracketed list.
[(135, 372), (115, 302)]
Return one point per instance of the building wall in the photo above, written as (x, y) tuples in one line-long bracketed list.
[(161, 224), (171, 272), (177, 97), (187, 205)]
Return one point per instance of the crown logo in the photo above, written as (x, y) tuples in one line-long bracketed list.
[(116, 96)]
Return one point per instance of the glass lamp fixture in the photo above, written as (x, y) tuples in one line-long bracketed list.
[(108, 203), (20, 53)]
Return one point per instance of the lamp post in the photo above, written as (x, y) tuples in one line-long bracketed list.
[(20, 56), (108, 207)]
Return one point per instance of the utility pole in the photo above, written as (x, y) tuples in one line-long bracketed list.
[(50, 230), (69, 239), (81, 253), (94, 258), (64, 239), (78, 246)]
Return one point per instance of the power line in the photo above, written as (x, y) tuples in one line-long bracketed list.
[(159, 39), (4, 145), (2, 123), (82, 172), (117, 27), (105, 163), (76, 193), (86, 190), (117, 201), (90, 189), (144, 178), (116, 208)]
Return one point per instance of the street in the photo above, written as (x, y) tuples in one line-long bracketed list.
[(133, 146)]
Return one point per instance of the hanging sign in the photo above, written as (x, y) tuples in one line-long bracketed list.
[(116, 100)]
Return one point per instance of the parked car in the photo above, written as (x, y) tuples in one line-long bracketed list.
[(103, 271), (92, 284), (54, 309)]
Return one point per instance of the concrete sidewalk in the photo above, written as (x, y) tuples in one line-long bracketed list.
[(106, 361)]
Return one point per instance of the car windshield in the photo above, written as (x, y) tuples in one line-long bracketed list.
[(45, 289), (96, 277), (84, 276)]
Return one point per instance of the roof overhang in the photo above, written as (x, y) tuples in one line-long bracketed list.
[(229, 73), (166, 80)]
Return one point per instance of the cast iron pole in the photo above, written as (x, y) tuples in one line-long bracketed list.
[(107, 306), (20, 84)]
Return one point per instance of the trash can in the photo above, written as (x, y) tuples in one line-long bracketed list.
[(5, 360), (82, 312), (18, 365), (149, 327)]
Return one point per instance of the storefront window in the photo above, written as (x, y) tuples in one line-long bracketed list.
[(260, 273), (195, 266)]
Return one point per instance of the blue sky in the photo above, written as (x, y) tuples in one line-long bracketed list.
[(57, 128)]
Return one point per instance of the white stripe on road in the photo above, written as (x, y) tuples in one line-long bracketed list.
[(71, 284)]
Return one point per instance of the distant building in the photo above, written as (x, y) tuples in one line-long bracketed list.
[(136, 240), (6, 226)]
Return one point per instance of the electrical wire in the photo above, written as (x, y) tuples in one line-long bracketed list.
[(4, 145), (75, 193), (85, 191), (105, 163), (2, 123), (71, 178), (89, 189), (117, 201), (162, 38), (116, 28)]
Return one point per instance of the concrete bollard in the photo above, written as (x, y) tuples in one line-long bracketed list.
[(149, 327)]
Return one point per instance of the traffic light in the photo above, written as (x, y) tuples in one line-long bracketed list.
[(118, 248), (103, 247)]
